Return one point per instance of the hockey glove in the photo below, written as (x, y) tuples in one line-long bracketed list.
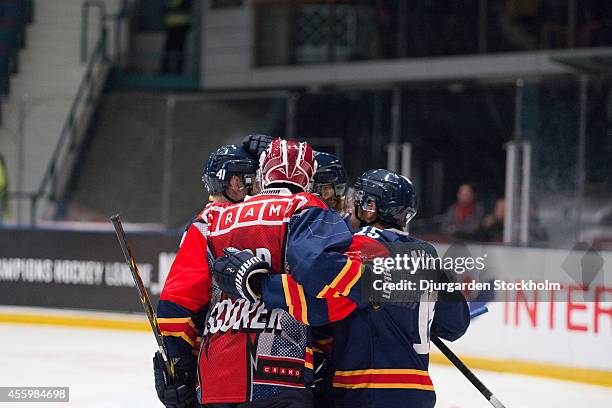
[(180, 393), (256, 144), (240, 273)]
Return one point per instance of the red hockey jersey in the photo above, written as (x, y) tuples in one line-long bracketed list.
[(255, 351)]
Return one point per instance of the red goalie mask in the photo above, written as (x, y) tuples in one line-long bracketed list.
[(287, 161)]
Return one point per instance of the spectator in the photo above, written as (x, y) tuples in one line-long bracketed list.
[(177, 19), (463, 218), (4, 207), (492, 228)]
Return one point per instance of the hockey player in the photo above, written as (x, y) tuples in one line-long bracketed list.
[(228, 176), (381, 351), (330, 180), (394, 371), (250, 353)]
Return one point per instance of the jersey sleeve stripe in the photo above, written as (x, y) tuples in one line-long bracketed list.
[(189, 330), (182, 335), (297, 299), (287, 294), (303, 303), (332, 286), (349, 280), (176, 320)]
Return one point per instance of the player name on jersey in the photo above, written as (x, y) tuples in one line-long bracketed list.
[(240, 314)]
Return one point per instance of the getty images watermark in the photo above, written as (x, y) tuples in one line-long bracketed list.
[(419, 272)]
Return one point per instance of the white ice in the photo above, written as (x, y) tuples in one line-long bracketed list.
[(111, 368)]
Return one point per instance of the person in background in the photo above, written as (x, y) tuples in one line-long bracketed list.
[(329, 181), (492, 228), (177, 21), (463, 218), (4, 205)]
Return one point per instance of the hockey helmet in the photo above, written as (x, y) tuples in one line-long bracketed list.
[(329, 171), (225, 162), (393, 194)]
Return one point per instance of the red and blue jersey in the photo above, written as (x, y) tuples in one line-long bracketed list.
[(253, 351), (380, 352)]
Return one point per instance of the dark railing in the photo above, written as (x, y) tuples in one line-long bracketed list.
[(101, 6), (68, 144)]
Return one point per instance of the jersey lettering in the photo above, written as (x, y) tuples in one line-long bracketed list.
[(275, 211), (240, 314), (250, 213), (426, 313), (369, 232)]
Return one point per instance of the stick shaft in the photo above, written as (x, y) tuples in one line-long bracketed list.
[(142, 293), (467, 372)]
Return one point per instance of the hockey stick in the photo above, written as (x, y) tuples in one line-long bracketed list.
[(463, 368), (142, 294)]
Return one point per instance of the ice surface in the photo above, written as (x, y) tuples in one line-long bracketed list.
[(111, 368), (515, 391), (103, 368)]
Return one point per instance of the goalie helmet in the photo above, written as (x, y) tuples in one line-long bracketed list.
[(393, 194), (329, 171), (225, 162), (287, 162)]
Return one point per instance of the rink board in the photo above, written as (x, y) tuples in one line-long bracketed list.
[(80, 269), (568, 337), (566, 334)]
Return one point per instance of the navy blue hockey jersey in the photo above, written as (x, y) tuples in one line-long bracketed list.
[(380, 352)]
